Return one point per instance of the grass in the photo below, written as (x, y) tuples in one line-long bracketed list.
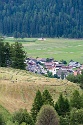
[(59, 49), (18, 88), (5, 114)]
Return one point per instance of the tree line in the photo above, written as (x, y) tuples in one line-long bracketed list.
[(12, 55), (45, 112), (48, 18)]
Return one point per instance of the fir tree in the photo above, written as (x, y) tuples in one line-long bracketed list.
[(7, 54), (62, 106), (17, 56), (37, 104), (47, 98), (76, 100), (2, 53)]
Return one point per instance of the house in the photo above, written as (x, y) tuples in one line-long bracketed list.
[(42, 70), (74, 64), (81, 67), (50, 66), (31, 62), (58, 66), (56, 62), (41, 39), (68, 68), (77, 72), (41, 60), (62, 73), (28, 60)]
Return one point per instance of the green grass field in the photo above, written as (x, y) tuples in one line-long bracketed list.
[(58, 49)]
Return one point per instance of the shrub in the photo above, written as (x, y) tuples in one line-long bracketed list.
[(47, 116)]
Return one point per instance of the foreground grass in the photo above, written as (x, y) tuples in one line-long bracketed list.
[(18, 88), (5, 114), (59, 49)]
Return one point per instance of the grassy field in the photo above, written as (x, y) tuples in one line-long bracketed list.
[(59, 49), (18, 88)]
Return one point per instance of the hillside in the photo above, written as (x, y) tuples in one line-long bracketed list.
[(18, 88), (45, 18)]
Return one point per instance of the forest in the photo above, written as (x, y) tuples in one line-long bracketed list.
[(41, 18)]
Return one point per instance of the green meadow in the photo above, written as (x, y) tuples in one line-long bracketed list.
[(57, 48)]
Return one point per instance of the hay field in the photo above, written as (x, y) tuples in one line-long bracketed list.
[(59, 49), (18, 88)]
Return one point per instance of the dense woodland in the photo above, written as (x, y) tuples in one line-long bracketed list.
[(41, 18)]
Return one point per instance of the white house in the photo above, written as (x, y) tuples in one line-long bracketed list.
[(50, 66)]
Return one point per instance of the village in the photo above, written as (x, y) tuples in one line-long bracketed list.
[(43, 66)]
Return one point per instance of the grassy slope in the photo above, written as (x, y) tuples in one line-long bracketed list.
[(18, 88)]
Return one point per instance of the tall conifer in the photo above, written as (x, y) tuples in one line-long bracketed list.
[(47, 98), (17, 56), (37, 104)]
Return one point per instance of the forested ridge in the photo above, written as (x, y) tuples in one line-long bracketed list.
[(41, 18)]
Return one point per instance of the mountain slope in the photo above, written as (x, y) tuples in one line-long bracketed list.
[(18, 88), (42, 18)]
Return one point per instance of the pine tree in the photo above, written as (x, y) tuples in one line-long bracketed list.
[(37, 104), (47, 98)]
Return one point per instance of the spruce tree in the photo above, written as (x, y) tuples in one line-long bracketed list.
[(62, 106), (47, 98), (17, 56), (2, 54), (37, 104), (76, 100), (7, 54)]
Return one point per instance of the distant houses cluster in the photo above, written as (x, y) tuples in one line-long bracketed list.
[(43, 65)]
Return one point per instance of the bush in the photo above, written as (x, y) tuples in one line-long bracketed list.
[(22, 116), (76, 116), (47, 116)]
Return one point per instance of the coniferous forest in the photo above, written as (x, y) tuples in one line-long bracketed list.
[(41, 18)]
